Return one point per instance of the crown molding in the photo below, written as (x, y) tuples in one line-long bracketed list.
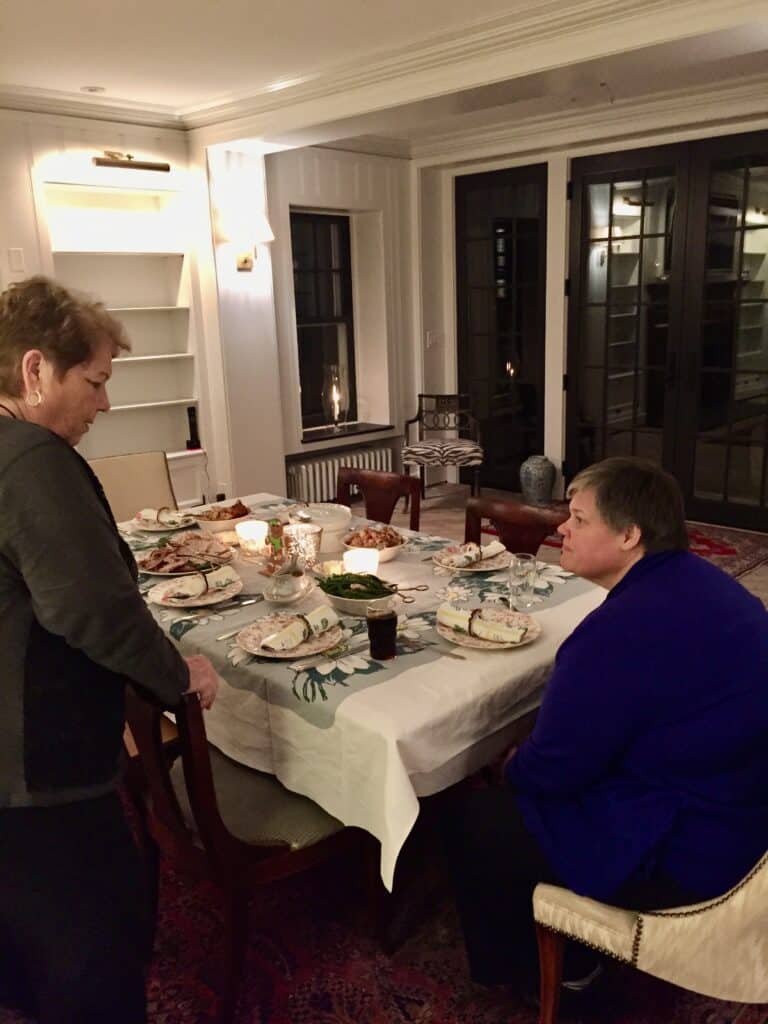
[(539, 34), (679, 109), (62, 104)]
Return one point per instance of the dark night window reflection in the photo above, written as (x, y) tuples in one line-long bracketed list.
[(322, 281)]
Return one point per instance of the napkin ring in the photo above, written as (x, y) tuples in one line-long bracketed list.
[(308, 631), (475, 613)]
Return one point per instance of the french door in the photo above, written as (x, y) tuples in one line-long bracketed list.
[(500, 270), (668, 319)]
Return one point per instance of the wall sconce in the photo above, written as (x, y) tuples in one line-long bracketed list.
[(114, 158), (247, 231)]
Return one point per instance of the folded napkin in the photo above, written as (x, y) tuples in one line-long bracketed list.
[(202, 583), (301, 628), (473, 624), (470, 554)]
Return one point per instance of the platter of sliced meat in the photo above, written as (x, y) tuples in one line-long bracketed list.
[(183, 554)]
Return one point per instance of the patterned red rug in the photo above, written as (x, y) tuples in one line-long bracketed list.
[(735, 551), (313, 960)]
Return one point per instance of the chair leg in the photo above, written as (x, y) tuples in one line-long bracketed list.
[(476, 482), (551, 947), (235, 946), (423, 478)]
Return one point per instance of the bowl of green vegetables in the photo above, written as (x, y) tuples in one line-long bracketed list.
[(353, 592)]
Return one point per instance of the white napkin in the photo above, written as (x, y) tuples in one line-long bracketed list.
[(300, 628), (473, 624), (195, 586), (470, 554)]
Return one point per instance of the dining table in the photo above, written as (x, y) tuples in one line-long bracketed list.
[(363, 738)]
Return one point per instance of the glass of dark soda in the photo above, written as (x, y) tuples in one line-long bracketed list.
[(382, 629)]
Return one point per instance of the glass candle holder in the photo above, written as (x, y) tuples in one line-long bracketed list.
[(361, 560), (252, 535), (303, 539)]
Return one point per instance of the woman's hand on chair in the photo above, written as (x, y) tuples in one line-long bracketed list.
[(202, 679)]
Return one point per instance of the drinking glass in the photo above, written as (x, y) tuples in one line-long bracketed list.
[(522, 580), (382, 629)]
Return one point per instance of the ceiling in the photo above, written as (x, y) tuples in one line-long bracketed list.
[(204, 61)]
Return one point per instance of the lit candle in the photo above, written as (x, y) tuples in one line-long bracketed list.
[(336, 402), (361, 560), (253, 535)]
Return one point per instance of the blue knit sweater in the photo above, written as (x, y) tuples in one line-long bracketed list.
[(649, 758)]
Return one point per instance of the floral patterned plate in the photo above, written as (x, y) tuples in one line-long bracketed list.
[(250, 638), (501, 561), (157, 595), (494, 614)]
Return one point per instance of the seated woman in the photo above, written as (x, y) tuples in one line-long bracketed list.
[(643, 783), (73, 631)]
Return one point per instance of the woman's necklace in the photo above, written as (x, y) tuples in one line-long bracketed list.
[(10, 412)]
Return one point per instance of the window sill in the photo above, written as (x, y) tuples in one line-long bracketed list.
[(346, 430)]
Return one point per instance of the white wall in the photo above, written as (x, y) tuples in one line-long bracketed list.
[(375, 192), (246, 391)]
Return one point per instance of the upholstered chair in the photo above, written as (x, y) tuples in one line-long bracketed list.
[(718, 947), (133, 482), (446, 434)]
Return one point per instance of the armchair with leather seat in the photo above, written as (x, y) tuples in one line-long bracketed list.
[(520, 527), (718, 948), (381, 492)]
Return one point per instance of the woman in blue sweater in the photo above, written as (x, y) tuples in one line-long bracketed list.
[(644, 780)]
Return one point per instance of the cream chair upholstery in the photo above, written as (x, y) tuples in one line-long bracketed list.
[(717, 948), (133, 482)]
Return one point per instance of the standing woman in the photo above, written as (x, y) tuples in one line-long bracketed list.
[(73, 631)]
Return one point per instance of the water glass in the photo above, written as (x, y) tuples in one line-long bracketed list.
[(381, 619), (522, 581)]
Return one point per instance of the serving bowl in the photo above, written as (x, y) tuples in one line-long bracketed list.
[(333, 518), (385, 554)]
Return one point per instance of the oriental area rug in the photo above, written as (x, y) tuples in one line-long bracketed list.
[(312, 959)]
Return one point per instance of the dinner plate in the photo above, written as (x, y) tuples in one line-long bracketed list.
[(494, 614), (501, 561), (251, 637), (181, 523), (157, 595), (141, 556)]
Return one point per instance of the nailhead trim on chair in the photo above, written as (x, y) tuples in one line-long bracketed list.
[(716, 902), (599, 949)]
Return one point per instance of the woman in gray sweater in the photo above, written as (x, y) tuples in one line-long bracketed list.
[(73, 631)]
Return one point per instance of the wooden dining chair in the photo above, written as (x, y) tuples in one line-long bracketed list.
[(220, 820), (136, 481), (380, 492), (520, 527)]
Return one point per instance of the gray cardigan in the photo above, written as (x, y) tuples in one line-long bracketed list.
[(73, 627)]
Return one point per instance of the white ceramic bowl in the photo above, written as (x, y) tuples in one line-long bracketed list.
[(354, 605), (333, 518)]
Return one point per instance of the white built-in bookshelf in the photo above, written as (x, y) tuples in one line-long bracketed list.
[(127, 248)]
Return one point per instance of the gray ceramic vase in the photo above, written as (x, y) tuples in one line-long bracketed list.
[(537, 478)]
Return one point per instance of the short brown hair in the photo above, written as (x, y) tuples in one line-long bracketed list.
[(632, 491), (65, 327)]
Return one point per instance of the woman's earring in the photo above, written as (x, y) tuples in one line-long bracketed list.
[(34, 398)]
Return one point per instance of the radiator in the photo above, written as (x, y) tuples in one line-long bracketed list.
[(315, 479)]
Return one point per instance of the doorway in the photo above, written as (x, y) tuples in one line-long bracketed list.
[(668, 325), (500, 270)]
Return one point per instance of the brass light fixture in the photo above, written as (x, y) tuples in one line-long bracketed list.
[(114, 158)]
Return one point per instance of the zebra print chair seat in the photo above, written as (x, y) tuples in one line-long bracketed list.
[(440, 415)]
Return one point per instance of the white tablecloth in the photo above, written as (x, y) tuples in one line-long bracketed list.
[(384, 734)]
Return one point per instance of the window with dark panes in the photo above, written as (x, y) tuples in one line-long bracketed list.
[(322, 282)]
